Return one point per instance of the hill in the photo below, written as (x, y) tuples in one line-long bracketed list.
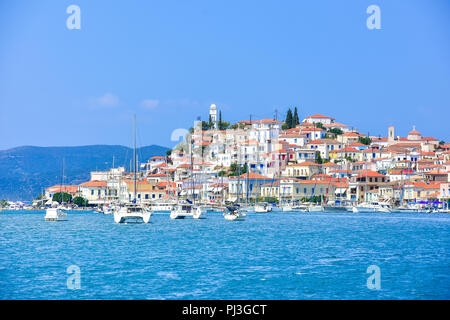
[(25, 171)]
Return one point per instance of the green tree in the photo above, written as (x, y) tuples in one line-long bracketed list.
[(441, 142), (3, 203), (365, 140), (168, 152), (62, 197), (223, 125), (235, 171), (319, 157), (289, 119), (335, 131), (295, 120), (207, 125), (319, 125), (80, 201)]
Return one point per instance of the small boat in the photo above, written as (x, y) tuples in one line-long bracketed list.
[(54, 214), (262, 207), (372, 207), (132, 213), (233, 213), (98, 210), (107, 209), (315, 208), (286, 208)]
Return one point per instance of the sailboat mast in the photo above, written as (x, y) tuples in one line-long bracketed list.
[(134, 161)]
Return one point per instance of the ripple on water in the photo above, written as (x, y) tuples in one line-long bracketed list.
[(273, 256)]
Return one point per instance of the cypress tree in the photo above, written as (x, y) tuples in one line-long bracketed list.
[(289, 119), (220, 120), (296, 121)]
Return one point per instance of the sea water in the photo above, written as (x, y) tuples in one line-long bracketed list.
[(279, 255)]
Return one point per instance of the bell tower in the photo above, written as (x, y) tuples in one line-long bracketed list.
[(213, 115)]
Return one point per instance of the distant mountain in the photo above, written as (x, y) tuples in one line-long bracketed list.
[(24, 171)]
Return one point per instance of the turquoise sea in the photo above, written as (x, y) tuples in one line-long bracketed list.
[(268, 256)]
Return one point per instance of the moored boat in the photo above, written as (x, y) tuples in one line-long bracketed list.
[(132, 213)]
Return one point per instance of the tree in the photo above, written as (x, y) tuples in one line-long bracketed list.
[(168, 152), (220, 119), (335, 131), (206, 125), (3, 203), (62, 197), (80, 201), (210, 123), (289, 119), (319, 125), (295, 120), (235, 171), (319, 157), (441, 143), (223, 125), (365, 140)]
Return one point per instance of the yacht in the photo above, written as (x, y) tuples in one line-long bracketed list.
[(372, 206), (132, 213)]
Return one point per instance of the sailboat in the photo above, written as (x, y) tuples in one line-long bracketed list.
[(188, 209), (235, 212), (54, 213), (132, 212)]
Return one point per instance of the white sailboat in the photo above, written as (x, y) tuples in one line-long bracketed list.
[(54, 213), (133, 212), (233, 213)]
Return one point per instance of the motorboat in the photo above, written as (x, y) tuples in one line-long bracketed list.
[(372, 206)]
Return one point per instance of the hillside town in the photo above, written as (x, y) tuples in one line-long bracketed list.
[(318, 159)]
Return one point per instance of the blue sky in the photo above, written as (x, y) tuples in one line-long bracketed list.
[(167, 61)]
